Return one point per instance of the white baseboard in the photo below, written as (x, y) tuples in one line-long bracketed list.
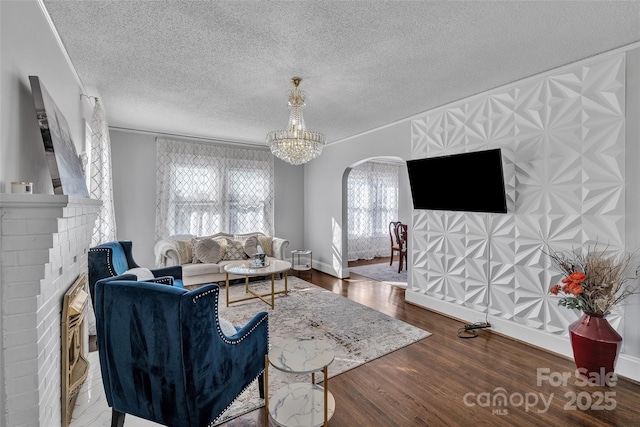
[(341, 273), (626, 366)]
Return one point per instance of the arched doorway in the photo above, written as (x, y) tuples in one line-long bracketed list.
[(375, 192)]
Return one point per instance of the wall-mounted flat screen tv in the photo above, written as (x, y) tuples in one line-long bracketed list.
[(472, 182)]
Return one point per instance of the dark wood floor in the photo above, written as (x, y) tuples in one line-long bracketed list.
[(444, 380)]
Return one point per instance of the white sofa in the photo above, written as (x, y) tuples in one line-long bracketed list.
[(169, 250)]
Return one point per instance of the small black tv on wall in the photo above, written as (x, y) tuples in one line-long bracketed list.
[(472, 182)]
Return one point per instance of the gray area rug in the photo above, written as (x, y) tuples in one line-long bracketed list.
[(383, 272), (357, 333)]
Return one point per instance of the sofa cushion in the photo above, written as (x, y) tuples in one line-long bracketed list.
[(185, 251), (199, 269), (266, 242), (209, 250), (234, 250)]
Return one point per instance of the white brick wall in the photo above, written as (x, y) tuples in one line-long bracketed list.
[(44, 240)]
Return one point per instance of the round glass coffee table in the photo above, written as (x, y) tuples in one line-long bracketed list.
[(247, 269), (300, 404)]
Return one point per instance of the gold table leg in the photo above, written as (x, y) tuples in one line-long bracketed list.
[(326, 395), (273, 302), (254, 294)]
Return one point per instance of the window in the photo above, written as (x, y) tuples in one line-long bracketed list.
[(372, 197), (204, 189), (248, 189), (194, 208)]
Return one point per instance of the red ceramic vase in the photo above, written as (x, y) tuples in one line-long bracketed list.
[(595, 347)]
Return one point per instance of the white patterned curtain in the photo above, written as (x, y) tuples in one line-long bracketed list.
[(203, 188), (372, 197), (101, 183)]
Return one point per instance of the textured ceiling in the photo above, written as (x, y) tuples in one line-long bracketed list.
[(220, 70)]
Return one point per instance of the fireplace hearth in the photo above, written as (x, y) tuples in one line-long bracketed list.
[(75, 365)]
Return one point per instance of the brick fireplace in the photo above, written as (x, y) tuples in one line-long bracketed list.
[(44, 241)]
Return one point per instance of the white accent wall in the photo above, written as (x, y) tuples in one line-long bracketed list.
[(570, 171)]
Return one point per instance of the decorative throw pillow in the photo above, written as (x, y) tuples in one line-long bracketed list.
[(251, 246), (227, 327), (185, 251), (234, 250), (209, 250), (194, 240), (266, 242), (195, 259), (141, 273)]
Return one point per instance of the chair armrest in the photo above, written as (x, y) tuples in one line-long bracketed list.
[(279, 248), (163, 280), (260, 320), (166, 254), (92, 286), (174, 271)]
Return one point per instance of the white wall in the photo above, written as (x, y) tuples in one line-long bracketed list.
[(631, 344), (325, 191), (29, 47), (289, 206), (134, 192), (405, 203), (133, 159)]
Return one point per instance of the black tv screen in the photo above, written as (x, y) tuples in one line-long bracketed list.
[(472, 182)]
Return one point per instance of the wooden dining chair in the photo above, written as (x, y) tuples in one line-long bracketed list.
[(398, 237), (401, 239)]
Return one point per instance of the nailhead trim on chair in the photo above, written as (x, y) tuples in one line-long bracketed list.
[(164, 280), (222, 335), (228, 341), (232, 402), (109, 265)]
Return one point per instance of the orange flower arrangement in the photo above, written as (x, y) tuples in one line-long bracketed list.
[(593, 282)]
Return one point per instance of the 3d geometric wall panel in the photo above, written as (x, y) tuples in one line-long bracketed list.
[(563, 145)]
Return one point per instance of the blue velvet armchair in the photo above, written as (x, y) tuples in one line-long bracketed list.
[(115, 258), (164, 357)]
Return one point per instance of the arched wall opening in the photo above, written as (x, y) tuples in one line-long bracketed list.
[(404, 208)]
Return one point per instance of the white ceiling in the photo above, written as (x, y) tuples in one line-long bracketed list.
[(220, 69)]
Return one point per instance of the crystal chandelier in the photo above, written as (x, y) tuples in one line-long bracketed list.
[(296, 144)]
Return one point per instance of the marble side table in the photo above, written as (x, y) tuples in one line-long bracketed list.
[(300, 404)]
